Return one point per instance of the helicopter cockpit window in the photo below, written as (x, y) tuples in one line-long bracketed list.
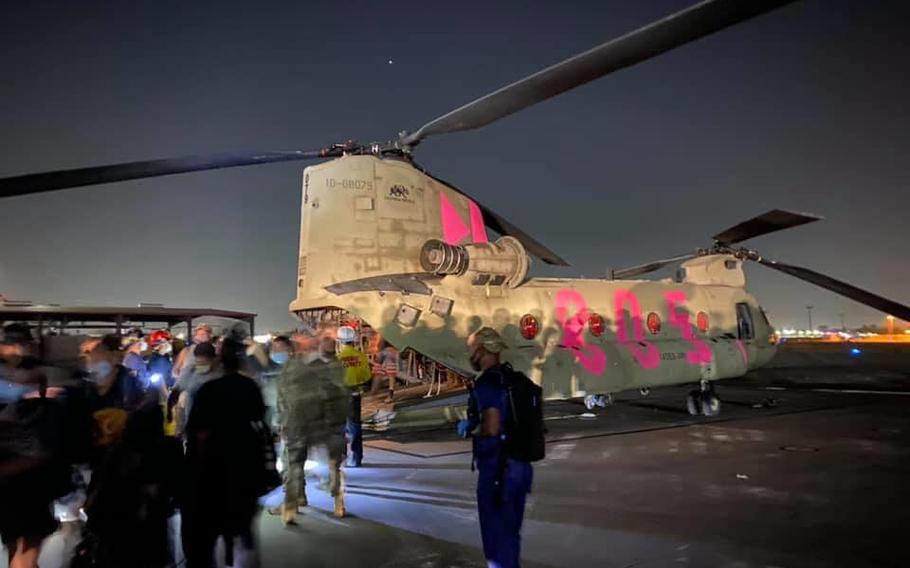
[(744, 322)]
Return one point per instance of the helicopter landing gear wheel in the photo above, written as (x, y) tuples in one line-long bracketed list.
[(693, 403), (703, 401), (710, 404), (593, 401)]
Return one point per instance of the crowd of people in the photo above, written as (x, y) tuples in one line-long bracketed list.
[(146, 427)]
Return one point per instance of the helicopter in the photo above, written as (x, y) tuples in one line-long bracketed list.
[(384, 242)]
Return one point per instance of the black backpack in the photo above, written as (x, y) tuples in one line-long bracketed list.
[(524, 427)]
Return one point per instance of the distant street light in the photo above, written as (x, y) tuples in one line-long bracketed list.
[(809, 310), (890, 324)]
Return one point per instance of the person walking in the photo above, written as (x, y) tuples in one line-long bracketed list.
[(226, 465), (185, 358), (206, 367), (134, 348), (505, 408), (160, 362), (357, 377), (34, 469), (112, 384), (131, 495), (312, 411)]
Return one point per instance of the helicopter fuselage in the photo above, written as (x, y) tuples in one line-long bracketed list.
[(410, 256)]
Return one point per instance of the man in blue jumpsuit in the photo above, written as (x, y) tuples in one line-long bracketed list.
[(503, 482)]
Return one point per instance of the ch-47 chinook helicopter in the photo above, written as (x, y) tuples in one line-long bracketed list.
[(409, 254)]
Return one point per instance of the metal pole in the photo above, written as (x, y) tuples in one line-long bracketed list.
[(41, 338), (809, 309)]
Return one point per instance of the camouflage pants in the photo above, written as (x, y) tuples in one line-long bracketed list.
[(295, 474)]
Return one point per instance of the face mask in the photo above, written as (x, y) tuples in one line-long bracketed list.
[(280, 357), (164, 349), (99, 370), (203, 369), (475, 362)]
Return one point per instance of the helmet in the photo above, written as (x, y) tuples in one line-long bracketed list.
[(489, 338), (346, 334), (158, 337)]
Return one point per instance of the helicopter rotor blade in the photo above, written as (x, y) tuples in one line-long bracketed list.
[(504, 227), (891, 307), (638, 270), (772, 221), (61, 179), (672, 31)]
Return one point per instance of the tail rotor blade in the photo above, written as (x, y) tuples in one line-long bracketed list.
[(504, 227)]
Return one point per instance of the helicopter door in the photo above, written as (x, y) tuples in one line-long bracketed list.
[(744, 323)]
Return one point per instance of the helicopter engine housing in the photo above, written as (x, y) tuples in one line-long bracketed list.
[(502, 262)]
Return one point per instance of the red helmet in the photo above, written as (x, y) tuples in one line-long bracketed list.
[(158, 337)]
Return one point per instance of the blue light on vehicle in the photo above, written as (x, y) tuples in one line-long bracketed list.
[(855, 352)]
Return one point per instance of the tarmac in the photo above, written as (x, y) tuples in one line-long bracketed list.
[(802, 468)]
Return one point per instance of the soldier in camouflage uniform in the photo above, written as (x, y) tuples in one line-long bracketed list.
[(312, 410)]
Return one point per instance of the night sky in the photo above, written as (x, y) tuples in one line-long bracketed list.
[(807, 108)]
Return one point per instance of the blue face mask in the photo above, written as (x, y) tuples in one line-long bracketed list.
[(99, 370), (280, 357)]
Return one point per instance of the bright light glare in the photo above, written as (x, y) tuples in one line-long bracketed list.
[(155, 379), (310, 465), (855, 351)]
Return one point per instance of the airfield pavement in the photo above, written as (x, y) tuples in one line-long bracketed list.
[(806, 466)]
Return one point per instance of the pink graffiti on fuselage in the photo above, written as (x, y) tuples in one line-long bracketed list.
[(645, 353), (572, 323), (478, 227), (453, 228), (680, 320)]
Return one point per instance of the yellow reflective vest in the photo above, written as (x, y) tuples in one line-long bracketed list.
[(356, 366)]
